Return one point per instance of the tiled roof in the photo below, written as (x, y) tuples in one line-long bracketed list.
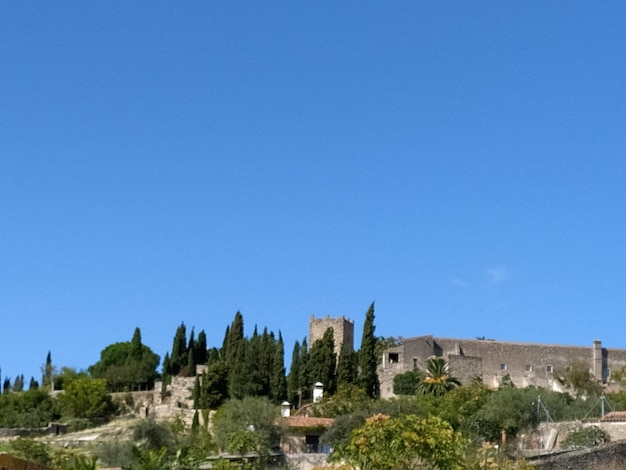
[(306, 421), (615, 417)]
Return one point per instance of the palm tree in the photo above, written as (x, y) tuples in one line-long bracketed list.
[(438, 380)]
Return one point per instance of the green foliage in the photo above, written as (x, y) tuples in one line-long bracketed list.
[(509, 409), (385, 443), (438, 379), (323, 361), (115, 453), (368, 361), (235, 354), (407, 383), (250, 414), (127, 366), (582, 381), (86, 398), (459, 406), (587, 436), (153, 435), (179, 356), (30, 409), (66, 376), (278, 383), (348, 399), (48, 372), (63, 459), (213, 386), (347, 367), (30, 449)]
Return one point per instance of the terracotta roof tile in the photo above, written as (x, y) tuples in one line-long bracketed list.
[(306, 421), (615, 417)]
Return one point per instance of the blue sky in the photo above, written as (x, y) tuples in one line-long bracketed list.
[(459, 163)]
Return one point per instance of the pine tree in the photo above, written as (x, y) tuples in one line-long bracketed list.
[(278, 384), (368, 376), (6, 386)]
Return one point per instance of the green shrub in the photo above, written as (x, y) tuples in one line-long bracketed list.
[(588, 436)]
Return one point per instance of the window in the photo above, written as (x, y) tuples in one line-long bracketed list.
[(503, 366), (393, 358), (549, 368), (414, 363), (529, 368)]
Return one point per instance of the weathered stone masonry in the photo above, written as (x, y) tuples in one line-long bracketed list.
[(525, 364)]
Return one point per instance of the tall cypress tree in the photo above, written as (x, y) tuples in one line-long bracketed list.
[(293, 380), (305, 382), (47, 372), (323, 361), (278, 383), (235, 354), (254, 373), (346, 366), (178, 358), (368, 376), (201, 349), (136, 348)]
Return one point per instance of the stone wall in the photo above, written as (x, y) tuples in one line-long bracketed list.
[(611, 456), (343, 331), (525, 364)]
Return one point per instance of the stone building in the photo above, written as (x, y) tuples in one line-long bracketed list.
[(343, 331), (525, 364)]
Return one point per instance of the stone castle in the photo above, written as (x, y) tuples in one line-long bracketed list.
[(525, 364), (343, 331)]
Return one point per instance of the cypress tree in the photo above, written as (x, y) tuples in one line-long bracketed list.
[(235, 354), (278, 383), (305, 382), (346, 366), (18, 383), (323, 361), (368, 376), (47, 372), (191, 363), (136, 348), (195, 394), (167, 366), (201, 349), (33, 385), (293, 380), (178, 359)]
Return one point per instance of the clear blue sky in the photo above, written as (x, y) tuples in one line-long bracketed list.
[(460, 163)]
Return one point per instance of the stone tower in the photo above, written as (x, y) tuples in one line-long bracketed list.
[(343, 331)]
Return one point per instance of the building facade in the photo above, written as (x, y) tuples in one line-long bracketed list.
[(525, 364)]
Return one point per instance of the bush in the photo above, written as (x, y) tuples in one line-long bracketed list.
[(588, 436), (115, 453)]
